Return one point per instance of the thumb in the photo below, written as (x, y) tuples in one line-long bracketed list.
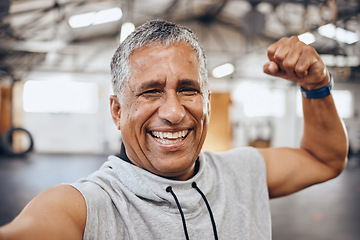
[(271, 68)]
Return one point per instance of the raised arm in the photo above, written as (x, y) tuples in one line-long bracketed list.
[(323, 150), (57, 213)]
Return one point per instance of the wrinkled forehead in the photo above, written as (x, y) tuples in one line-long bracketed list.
[(162, 45), (181, 53)]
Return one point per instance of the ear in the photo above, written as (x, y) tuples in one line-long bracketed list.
[(115, 109), (209, 105)]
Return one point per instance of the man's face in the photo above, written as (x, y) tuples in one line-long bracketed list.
[(164, 116)]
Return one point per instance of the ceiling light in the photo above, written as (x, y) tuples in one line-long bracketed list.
[(340, 34), (94, 18), (223, 70), (327, 30), (346, 36), (307, 38), (126, 29)]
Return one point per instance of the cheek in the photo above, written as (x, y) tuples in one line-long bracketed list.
[(143, 110), (198, 107), (128, 116), (137, 115)]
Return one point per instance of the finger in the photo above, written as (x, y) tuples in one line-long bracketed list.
[(286, 56), (311, 64), (273, 47), (307, 59), (271, 68), (280, 74), (291, 60)]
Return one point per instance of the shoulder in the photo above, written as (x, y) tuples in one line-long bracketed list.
[(242, 156), (57, 213), (242, 171), (244, 163)]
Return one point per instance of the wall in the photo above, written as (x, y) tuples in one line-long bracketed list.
[(353, 124), (75, 132), (219, 135)]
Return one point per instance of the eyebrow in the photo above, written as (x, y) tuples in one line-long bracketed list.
[(149, 84), (157, 83), (189, 82)]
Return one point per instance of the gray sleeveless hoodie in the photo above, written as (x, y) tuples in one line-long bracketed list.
[(126, 202)]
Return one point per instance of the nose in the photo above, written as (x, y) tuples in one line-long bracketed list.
[(171, 109)]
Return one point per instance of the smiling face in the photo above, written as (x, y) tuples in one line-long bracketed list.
[(164, 115)]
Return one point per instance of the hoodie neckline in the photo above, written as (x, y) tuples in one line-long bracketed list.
[(123, 156), (151, 187)]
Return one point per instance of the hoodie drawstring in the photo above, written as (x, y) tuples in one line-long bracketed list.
[(169, 189), (194, 185), (208, 207)]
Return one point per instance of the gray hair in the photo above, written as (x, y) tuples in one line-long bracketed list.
[(152, 33)]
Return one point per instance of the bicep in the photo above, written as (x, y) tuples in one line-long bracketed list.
[(290, 170), (57, 213)]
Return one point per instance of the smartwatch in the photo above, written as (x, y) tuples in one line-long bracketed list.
[(320, 92)]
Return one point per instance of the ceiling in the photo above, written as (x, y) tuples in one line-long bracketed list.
[(36, 33)]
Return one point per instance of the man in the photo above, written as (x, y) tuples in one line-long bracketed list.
[(162, 186)]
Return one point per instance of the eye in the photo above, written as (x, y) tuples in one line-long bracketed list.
[(151, 93), (189, 91)]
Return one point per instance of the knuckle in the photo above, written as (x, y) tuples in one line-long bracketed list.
[(300, 69), (278, 56), (301, 45), (294, 39), (318, 72), (288, 64), (271, 51), (308, 50), (283, 39)]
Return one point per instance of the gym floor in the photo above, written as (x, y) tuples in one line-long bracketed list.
[(326, 211)]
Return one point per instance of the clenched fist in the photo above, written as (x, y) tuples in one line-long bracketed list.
[(295, 61)]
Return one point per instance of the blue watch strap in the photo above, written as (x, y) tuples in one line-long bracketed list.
[(318, 93)]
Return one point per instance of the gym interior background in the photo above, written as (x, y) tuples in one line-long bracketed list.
[(55, 124)]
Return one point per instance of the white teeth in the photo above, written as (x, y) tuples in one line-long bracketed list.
[(167, 141), (169, 137)]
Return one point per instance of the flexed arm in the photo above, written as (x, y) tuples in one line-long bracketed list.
[(323, 150)]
